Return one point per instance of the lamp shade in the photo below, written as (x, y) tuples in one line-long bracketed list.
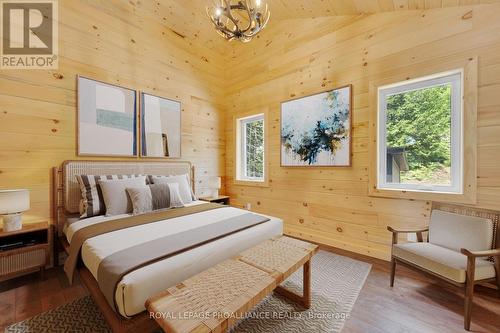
[(215, 183), (14, 201)]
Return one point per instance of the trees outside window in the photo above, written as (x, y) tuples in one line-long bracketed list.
[(420, 134), (250, 148), (255, 149)]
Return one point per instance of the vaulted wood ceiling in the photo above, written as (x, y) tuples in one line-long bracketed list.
[(283, 9), (188, 20)]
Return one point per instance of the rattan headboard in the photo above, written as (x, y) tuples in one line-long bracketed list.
[(67, 192)]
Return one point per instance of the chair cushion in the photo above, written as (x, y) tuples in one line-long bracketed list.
[(442, 261), (455, 231)]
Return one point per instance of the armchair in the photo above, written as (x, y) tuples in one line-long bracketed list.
[(460, 249)]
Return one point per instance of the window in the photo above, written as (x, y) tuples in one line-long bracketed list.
[(420, 138), (250, 148)]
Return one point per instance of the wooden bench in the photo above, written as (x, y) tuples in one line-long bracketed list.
[(214, 300)]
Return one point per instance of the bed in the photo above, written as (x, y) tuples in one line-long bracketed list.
[(137, 286)]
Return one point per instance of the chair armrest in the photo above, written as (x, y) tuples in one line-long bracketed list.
[(396, 232), (399, 231), (479, 254)]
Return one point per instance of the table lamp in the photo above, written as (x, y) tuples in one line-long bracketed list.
[(12, 204), (215, 184)]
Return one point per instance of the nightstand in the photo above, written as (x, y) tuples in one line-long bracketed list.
[(24, 251), (221, 199)]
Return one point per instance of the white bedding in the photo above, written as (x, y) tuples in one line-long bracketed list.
[(139, 285)]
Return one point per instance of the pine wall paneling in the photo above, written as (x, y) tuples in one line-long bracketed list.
[(300, 57), (124, 43), (168, 49)]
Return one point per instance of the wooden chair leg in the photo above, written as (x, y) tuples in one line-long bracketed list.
[(469, 292), (393, 270), (497, 269)]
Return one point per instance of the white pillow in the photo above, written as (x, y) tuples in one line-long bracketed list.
[(115, 194), (175, 196), (184, 188)]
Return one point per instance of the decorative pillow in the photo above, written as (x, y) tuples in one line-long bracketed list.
[(115, 194), (92, 202), (175, 195), (154, 197), (185, 190)]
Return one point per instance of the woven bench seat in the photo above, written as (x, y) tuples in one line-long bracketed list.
[(214, 300)]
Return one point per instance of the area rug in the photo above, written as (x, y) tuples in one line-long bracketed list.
[(336, 283)]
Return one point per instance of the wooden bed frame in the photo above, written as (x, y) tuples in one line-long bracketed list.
[(64, 205)]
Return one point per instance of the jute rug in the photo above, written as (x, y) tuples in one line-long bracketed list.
[(336, 283)]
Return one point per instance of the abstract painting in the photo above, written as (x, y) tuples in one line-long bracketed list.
[(316, 130), (107, 118), (160, 127)]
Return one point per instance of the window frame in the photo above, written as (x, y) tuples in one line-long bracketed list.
[(456, 79), (470, 139), (240, 145)]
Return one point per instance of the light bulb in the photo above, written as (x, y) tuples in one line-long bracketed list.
[(257, 3), (218, 11)]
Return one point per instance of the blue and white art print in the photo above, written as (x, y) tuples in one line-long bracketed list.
[(316, 130), (160, 127), (107, 119)]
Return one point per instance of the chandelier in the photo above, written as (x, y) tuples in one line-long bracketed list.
[(239, 20)]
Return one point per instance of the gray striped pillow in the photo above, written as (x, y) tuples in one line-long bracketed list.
[(92, 202), (148, 198)]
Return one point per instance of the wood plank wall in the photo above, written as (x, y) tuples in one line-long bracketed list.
[(120, 42), (304, 56), (128, 43)]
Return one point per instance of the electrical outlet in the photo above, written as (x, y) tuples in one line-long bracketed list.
[(248, 206)]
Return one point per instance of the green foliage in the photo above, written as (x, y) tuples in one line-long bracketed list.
[(255, 149), (419, 121), (435, 174)]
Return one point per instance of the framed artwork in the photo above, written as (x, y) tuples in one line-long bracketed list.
[(316, 130), (107, 119), (160, 127)]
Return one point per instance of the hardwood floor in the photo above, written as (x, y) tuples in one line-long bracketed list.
[(27, 296), (415, 304)]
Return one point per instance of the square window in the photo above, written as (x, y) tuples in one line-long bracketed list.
[(420, 139)]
